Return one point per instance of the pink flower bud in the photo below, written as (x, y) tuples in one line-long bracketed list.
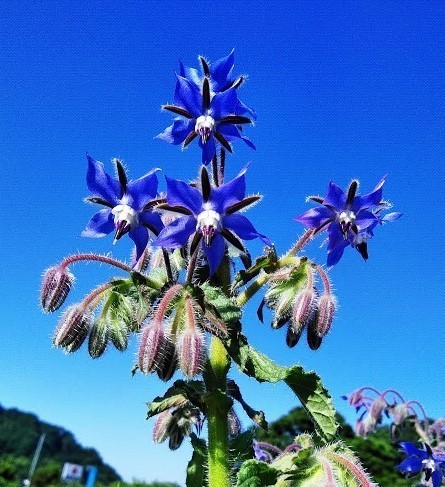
[(325, 314), (150, 349), (377, 407), (161, 426), (73, 327), (303, 305), (191, 351), (56, 284)]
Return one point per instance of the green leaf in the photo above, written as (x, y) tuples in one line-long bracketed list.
[(267, 262), (256, 474), (196, 468), (241, 448), (307, 386), (224, 306)]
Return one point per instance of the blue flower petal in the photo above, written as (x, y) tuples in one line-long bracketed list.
[(215, 252), (177, 132), (221, 69), (229, 193), (410, 449), (208, 149), (176, 234), (391, 217), (179, 193), (242, 226), (102, 184), (224, 104), (412, 465), (336, 197), (152, 219), (366, 219), (189, 73), (335, 236), (139, 235), (371, 199), (101, 224), (336, 253), (141, 191), (188, 96), (316, 217), (437, 477)]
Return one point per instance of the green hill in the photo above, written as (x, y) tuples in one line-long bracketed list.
[(19, 434)]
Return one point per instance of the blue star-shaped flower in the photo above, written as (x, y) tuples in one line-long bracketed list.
[(128, 205), (426, 461), (215, 119), (209, 216), (220, 77), (348, 218)]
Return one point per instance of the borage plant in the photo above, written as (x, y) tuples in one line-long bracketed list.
[(183, 297)]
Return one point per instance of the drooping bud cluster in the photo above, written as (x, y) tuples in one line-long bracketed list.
[(373, 405), (176, 423), (173, 337), (56, 284), (297, 302)]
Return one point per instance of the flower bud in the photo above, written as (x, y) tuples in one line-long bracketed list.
[(325, 314), (160, 428), (73, 327), (119, 335), (234, 423), (98, 339), (191, 351), (313, 338), (152, 343), (377, 407), (293, 334), (168, 361), (56, 284), (303, 305)]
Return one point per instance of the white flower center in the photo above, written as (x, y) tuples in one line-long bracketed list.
[(346, 219), (209, 223), (204, 126), (125, 213)]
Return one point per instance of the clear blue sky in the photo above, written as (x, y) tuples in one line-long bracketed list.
[(342, 90)]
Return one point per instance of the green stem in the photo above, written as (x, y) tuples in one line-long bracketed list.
[(218, 404)]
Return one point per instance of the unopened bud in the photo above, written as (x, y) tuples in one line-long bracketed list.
[(377, 407), (161, 426), (119, 335), (152, 342), (313, 338), (303, 305), (98, 339), (73, 327), (191, 351), (168, 361), (400, 412), (293, 334), (325, 314), (56, 284)]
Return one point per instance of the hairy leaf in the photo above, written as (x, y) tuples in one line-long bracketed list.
[(196, 468)]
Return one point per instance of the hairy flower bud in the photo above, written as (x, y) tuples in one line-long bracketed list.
[(303, 305), (191, 351), (56, 284), (293, 334), (119, 335), (313, 338), (98, 339), (152, 343), (73, 327), (168, 361), (161, 426), (377, 407), (325, 314)]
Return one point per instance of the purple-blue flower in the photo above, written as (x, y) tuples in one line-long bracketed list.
[(209, 216), (215, 118), (220, 76), (349, 219), (128, 205), (430, 463)]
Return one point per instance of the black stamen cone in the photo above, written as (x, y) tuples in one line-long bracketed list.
[(351, 191), (205, 94), (121, 175), (205, 184)]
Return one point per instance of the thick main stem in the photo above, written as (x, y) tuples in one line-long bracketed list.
[(218, 402)]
